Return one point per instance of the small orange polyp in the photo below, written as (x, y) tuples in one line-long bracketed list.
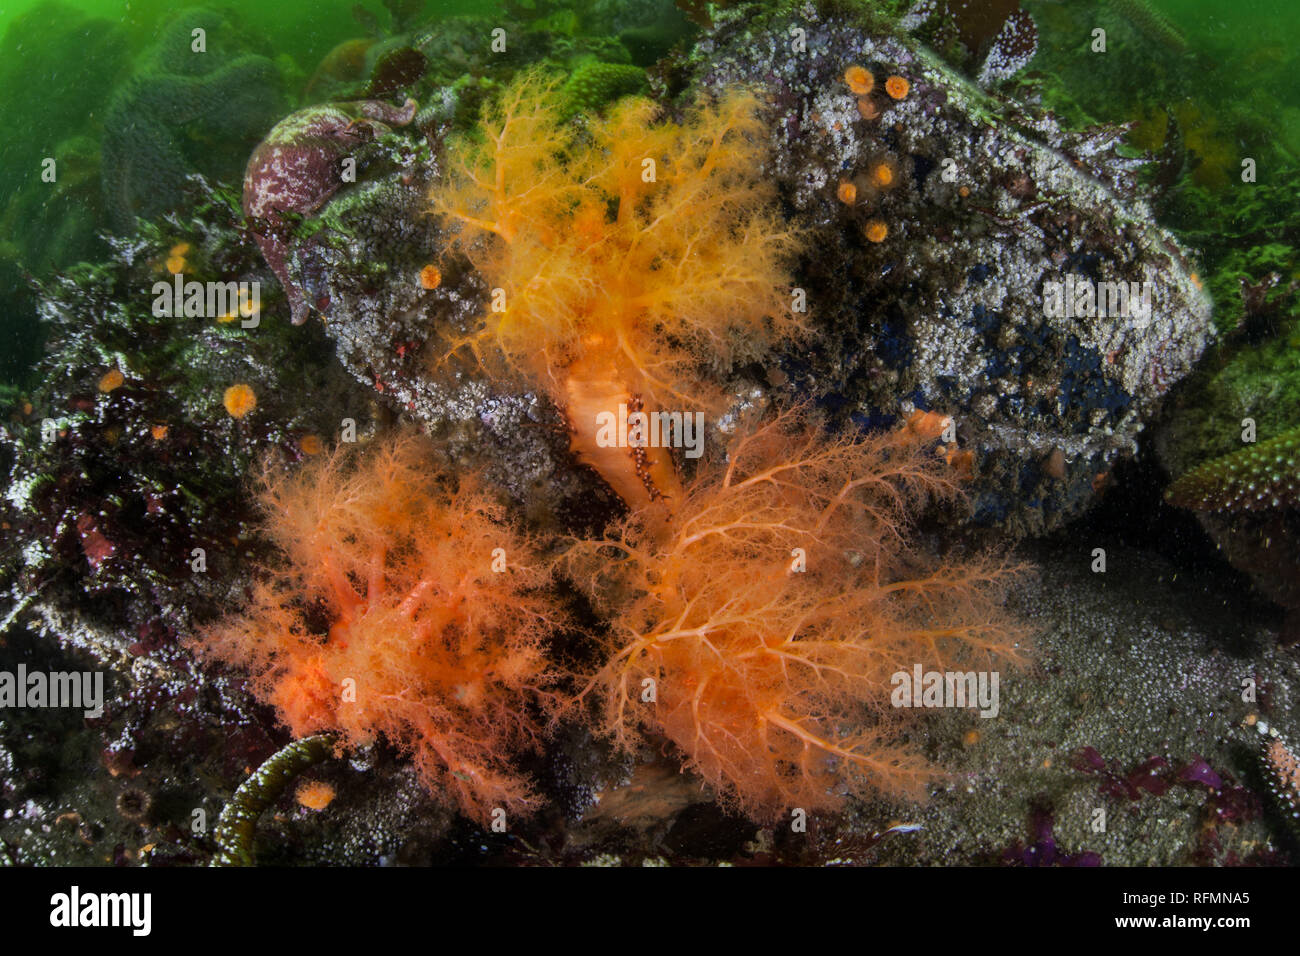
[(927, 425), (962, 462), (897, 87), (847, 193), (859, 80), (314, 795), (876, 231), (239, 400), (110, 380)]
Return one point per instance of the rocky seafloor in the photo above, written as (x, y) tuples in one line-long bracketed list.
[(1135, 710)]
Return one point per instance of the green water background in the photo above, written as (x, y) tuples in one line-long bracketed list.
[(304, 29), (310, 27)]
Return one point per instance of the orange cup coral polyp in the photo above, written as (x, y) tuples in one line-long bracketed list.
[(761, 634), (239, 400), (859, 80), (897, 87), (632, 257), (404, 608)]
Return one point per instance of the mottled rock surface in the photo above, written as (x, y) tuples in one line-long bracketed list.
[(985, 204), (947, 313)]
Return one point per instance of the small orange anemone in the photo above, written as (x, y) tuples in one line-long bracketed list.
[(430, 277), (927, 425), (859, 80), (897, 87), (314, 794), (110, 380), (847, 193), (960, 461), (867, 109), (876, 231), (159, 432), (882, 174), (239, 400)]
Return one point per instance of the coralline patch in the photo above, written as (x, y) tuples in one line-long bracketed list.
[(948, 313)]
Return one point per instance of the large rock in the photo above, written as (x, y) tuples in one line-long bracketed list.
[(926, 294), (947, 313)]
